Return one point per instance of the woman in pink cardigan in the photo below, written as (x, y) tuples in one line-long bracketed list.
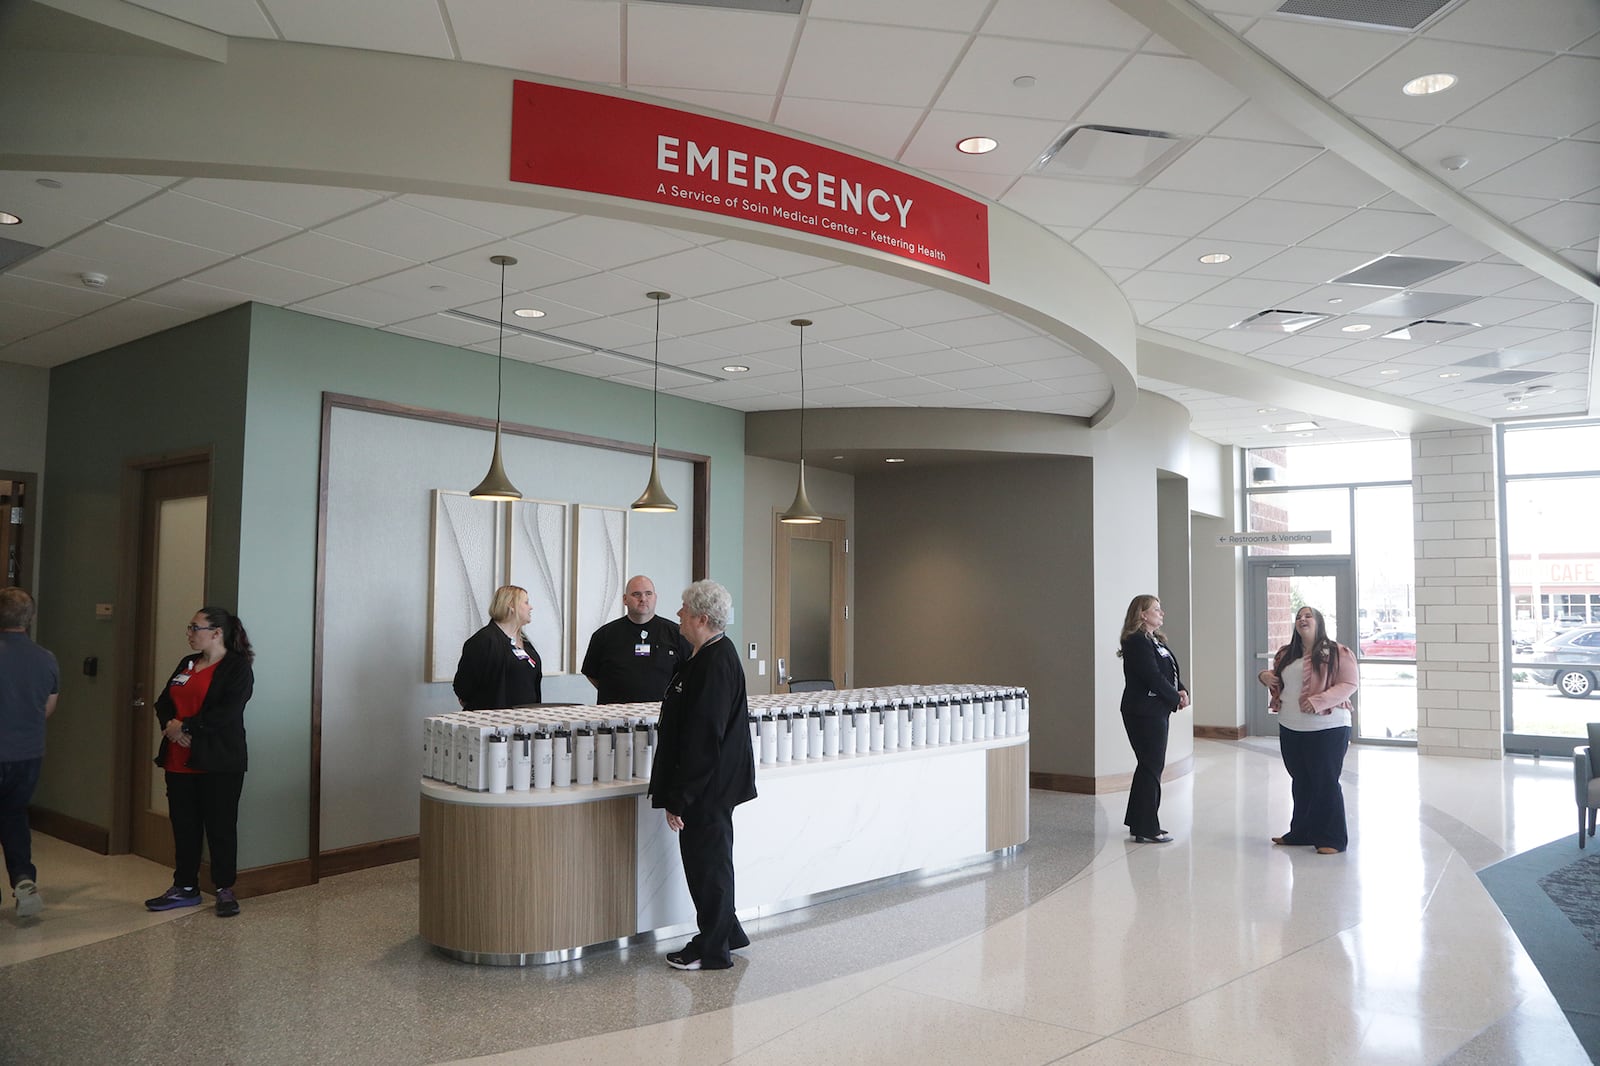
[(1311, 682)]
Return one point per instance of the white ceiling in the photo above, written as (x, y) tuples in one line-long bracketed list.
[(904, 79)]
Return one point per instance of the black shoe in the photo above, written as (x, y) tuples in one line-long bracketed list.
[(682, 960), (173, 898), (227, 905), (1162, 837)]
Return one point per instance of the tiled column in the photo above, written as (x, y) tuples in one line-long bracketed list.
[(1458, 594)]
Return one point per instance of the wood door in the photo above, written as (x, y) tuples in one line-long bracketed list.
[(170, 566), (808, 601)]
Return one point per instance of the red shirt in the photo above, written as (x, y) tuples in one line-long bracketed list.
[(188, 691)]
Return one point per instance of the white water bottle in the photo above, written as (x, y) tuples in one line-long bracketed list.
[(498, 758), (605, 757), (561, 774), (521, 760), (583, 755), (543, 760)]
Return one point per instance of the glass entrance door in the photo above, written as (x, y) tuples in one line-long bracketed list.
[(1279, 587)]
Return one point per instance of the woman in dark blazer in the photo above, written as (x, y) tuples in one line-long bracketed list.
[(1152, 691), (499, 665), (703, 769), (201, 714)]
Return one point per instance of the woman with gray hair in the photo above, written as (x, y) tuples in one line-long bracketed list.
[(703, 769)]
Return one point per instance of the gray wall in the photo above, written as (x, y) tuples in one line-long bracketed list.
[(980, 572)]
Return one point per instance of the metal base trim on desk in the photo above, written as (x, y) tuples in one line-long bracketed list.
[(749, 914)]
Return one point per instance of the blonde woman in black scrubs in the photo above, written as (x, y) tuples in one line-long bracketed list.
[(499, 665), (1152, 691)]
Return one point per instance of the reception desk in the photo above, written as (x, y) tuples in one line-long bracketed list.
[(538, 876)]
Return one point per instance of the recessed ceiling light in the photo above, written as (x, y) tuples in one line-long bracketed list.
[(838, 457), (1428, 84), (977, 145), (436, 288), (1215, 257), (48, 183), (1391, 371), (1303, 434), (528, 312), (1337, 300), (8, 219), (1359, 327), (1454, 162), (1451, 374), (1265, 410), (735, 369), (1517, 407), (894, 460), (1024, 81)]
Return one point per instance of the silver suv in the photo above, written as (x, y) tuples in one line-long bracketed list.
[(1570, 661)]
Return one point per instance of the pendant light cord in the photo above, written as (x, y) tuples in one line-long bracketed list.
[(655, 385), (802, 394), (500, 351)]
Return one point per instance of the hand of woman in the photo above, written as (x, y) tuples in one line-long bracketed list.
[(1307, 706), (674, 822), (1183, 698), (1270, 679)]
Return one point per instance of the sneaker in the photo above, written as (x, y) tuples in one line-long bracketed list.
[(173, 898), (682, 960), (29, 902), (227, 906)]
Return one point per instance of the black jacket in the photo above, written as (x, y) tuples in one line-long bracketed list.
[(1150, 676), (703, 754), (216, 733), (490, 676)]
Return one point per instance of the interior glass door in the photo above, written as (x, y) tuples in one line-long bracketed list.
[(1279, 587)]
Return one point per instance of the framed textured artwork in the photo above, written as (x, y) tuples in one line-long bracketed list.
[(600, 570), (538, 558), (466, 563)]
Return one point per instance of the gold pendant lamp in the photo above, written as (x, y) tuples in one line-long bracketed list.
[(655, 499), (800, 512), (495, 485)]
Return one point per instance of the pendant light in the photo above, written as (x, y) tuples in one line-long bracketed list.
[(655, 499), (800, 512), (495, 485)]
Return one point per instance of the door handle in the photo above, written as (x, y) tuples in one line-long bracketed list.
[(783, 674), (138, 701)]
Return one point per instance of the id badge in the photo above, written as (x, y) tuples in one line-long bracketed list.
[(641, 650), (181, 680)]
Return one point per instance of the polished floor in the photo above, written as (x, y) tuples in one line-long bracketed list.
[(1082, 948)]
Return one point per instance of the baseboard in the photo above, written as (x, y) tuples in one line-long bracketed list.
[(1221, 732), (264, 880), (366, 856), (1094, 786), (74, 831)]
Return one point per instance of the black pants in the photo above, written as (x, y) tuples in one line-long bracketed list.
[(17, 782), (1148, 735), (706, 845), (1314, 759), (205, 805)]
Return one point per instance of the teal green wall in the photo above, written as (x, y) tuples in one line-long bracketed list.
[(174, 391), (294, 358)]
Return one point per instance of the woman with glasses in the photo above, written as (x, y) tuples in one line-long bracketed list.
[(499, 666), (201, 713)]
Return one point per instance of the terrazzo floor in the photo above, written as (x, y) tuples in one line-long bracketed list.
[(1080, 948)]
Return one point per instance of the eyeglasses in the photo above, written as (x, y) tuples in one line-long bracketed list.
[(191, 627)]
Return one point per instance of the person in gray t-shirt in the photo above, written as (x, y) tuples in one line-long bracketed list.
[(29, 682)]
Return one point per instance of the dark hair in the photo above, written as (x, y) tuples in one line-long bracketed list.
[(1324, 652), (16, 608), (234, 637)]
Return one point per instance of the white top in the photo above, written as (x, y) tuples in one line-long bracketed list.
[(1290, 716)]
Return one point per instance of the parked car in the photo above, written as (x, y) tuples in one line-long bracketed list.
[(1570, 661), (1391, 644)]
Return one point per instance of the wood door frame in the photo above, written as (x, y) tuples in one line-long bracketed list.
[(126, 672), (782, 534), (30, 526)]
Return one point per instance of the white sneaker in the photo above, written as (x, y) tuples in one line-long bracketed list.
[(29, 902)]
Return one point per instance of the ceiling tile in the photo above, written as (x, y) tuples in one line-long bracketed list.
[(1159, 285), (1021, 142), (778, 262), (413, 27), (942, 361), (881, 129), (768, 300), (202, 223), (1066, 77), (693, 272), (534, 267), (406, 231), (848, 284), (503, 220), (600, 294), (361, 304), (1396, 132), (1328, 179), (303, 206), (1056, 202), (1483, 71), (960, 15), (53, 292), (1035, 352), (1252, 122), (1485, 152), (1325, 57), (988, 186), (1269, 220), (756, 106), (323, 256), (578, 39), (1479, 279), (870, 64), (983, 330), (604, 242), (1181, 214), (730, 51), (252, 280), (236, 18), (1447, 244), (1237, 168), (1376, 231), (1492, 22), (1132, 250), (1557, 100), (1312, 265), (1163, 93), (140, 259), (885, 345), (922, 308), (1075, 21), (1564, 170)]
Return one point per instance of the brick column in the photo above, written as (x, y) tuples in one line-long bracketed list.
[(1453, 481)]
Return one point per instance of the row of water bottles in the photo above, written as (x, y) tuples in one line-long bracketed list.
[(874, 721), (530, 748)]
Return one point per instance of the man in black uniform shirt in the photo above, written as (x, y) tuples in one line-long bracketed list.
[(631, 659)]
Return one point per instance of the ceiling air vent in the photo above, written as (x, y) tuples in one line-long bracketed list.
[(13, 252), (1505, 358), (1390, 14), (1395, 271), (1110, 153), (1280, 321), (1511, 377)]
